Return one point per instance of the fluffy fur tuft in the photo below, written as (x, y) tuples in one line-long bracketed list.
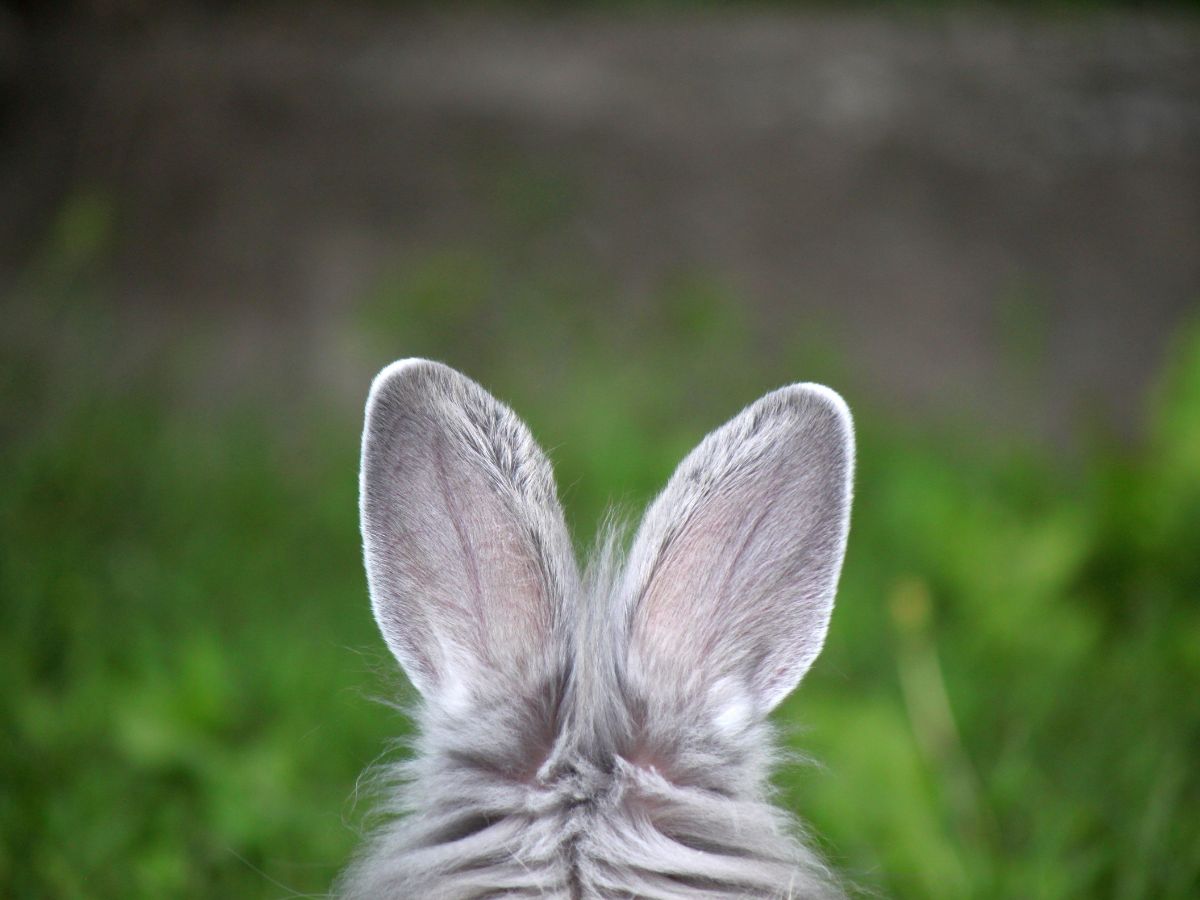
[(602, 736)]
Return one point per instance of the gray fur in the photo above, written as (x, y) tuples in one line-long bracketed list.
[(604, 736)]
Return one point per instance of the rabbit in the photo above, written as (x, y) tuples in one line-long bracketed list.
[(600, 734)]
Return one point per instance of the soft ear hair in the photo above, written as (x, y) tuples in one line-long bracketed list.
[(732, 574), (468, 560)]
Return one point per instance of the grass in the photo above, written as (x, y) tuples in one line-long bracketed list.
[(1006, 706)]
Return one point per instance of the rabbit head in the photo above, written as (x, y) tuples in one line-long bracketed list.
[(600, 735)]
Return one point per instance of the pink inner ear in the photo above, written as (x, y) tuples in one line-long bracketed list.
[(739, 588), (502, 615), (460, 588), (690, 602)]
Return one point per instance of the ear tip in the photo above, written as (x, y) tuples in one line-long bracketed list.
[(386, 395), (814, 401), (400, 371), (820, 393)]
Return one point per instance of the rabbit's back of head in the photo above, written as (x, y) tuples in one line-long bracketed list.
[(605, 734)]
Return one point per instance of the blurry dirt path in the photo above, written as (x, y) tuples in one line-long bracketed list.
[(939, 194)]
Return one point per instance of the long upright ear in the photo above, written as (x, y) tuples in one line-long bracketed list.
[(732, 574), (468, 560)]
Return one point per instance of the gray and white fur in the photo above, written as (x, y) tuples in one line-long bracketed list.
[(602, 735)]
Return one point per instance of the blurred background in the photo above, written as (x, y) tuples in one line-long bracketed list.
[(980, 224)]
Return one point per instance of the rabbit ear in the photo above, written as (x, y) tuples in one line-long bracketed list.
[(732, 574), (468, 560)]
